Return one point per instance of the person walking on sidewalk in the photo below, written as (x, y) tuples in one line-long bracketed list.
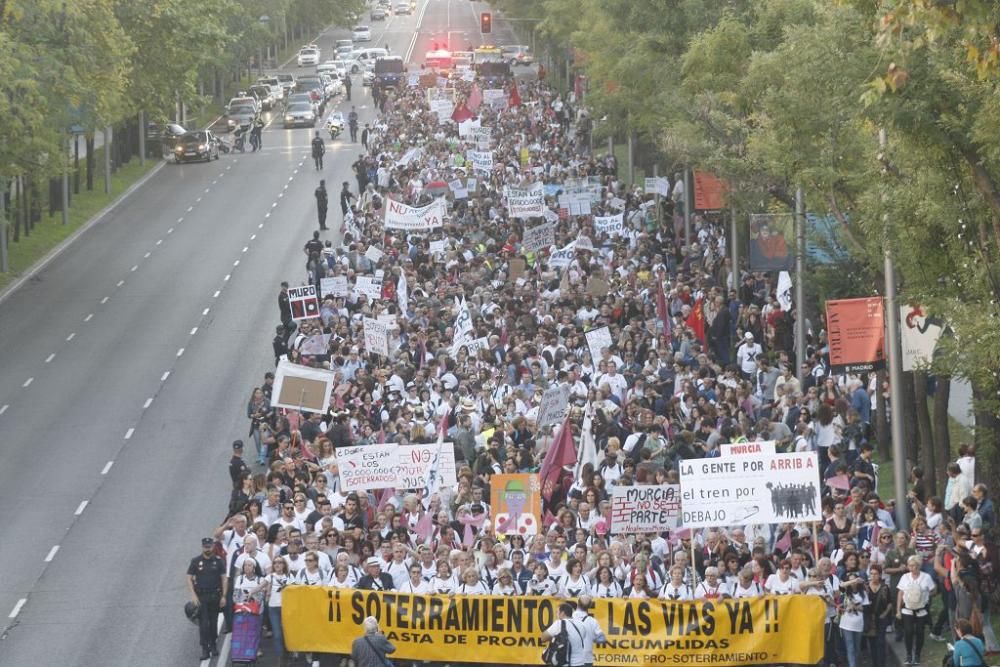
[(318, 148), (321, 204)]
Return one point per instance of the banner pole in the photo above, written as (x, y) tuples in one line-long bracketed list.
[(694, 564), (815, 543)]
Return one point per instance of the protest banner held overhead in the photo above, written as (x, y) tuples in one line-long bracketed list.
[(517, 504), (539, 237), (376, 337), (402, 216), (526, 202), (506, 629), (301, 387), (334, 286), (612, 225), (368, 467), (555, 403), (598, 339), (414, 463), (303, 302), (752, 488), (645, 508)]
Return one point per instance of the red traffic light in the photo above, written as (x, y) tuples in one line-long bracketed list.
[(486, 23)]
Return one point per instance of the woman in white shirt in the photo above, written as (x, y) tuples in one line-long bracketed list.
[(575, 583), (505, 583), (912, 604), (540, 583), (605, 585), (640, 588), (249, 592), (341, 576), (711, 588), (782, 583), (471, 584), (312, 574), (852, 617), (676, 589), (276, 582), (746, 587), (442, 583), (416, 583)]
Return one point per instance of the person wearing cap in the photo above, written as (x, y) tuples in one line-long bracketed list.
[(374, 578), (237, 466), (206, 580), (746, 355)]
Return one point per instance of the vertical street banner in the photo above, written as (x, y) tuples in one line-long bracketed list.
[(709, 192), (919, 337), (303, 302), (517, 504), (856, 334), (376, 337), (301, 387), (645, 508), (772, 242), (526, 202), (368, 467), (753, 488), (766, 630)]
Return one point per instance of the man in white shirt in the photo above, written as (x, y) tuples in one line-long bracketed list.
[(251, 552), (617, 383), (581, 629), (746, 355)]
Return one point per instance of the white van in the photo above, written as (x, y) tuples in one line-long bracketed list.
[(367, 57)]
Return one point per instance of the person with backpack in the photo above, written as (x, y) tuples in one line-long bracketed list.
[(568, 645), (969, 649)]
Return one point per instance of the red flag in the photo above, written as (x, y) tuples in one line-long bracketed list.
[(696, 320), (475, 98), (515, 97), (461, 113), (561, 453), (661, 308)]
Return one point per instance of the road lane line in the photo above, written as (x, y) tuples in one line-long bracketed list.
[(17, 608), (88, 317), (163, 378), (207, 189), (253, 236), (70, 337), (135, 268), (146, 256), (194, 331), (217, 293), (149, 402), (4, 408), (27, 383), (52, 554), (180, 352), (190, 208), (236, 263), (198, 200), (245, 248), (120, 283), (50, 357), (228, 276), (82, 506), (107, 467), (170, 231), (159, 241), (105, 300), (128, 433), (205, 312), (266, 215)]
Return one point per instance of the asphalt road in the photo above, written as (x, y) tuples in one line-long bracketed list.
[(126, 366)]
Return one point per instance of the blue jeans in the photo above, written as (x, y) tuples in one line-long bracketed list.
[(274, 613), (261, 447), (852, 642)]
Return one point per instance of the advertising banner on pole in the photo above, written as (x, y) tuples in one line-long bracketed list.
[(920, 336), (856, 334), (645, 508), (753, 488), (506, 630)]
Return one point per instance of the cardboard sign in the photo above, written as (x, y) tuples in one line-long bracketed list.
[(612, 225), (517, 504), (525, 202), (373, 254), (495, 98), (335, 286), (539, 237), (517, 267), (745, 448), (301, 388), (753, 488), (411, 218), (645, 509), (597, 287), (303, 302), (367, 467), (376, 337), (857, 334), (554, 406), (596, 340)]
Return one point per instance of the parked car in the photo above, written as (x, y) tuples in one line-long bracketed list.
[(300, 114), (200, 145), (361, 33), (308, 55)]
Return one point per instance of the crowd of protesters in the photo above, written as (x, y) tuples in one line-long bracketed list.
[(701, 354)]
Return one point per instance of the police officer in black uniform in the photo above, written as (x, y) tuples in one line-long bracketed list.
[(207, 583), (237, 466)]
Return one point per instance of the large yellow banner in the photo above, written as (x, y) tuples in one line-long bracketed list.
[(494, 629)]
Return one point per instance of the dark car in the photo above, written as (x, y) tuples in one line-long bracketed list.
[(194, 146), (389, 72), (162, 137), (377, 14)]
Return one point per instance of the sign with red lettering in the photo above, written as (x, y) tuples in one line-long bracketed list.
[(751, 488), (857, 334), (645, 509), (741, 448)]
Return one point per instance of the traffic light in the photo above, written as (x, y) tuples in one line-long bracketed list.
[(486, 23)]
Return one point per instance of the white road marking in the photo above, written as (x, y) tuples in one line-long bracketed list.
[(105, 300), (50, 357), (205, 312), (159, 241), (217, 293), (236, 263), (170, 231), (52, 554), (4, 408), (88, 317), (190, 208), (82, 506), (197, 200), (207, 189), (149, 402), (180, 352), (146, 256), (253, 236), (290, 178), (163, 378), (266, 215), (228, 276), (295, 172), (284, 188), (107, 467), (70, 337), (128, 433), (135, 268), (280, 195), (17, 608), (120, 283), (180, 219), (194, 331), (27, 383), (245, 248), (216, 181), (275, 204)]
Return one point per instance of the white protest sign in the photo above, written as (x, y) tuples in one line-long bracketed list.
[(919, 335), (784, 291), (315, 345), (467, 127), (301, 387), (367, 467), (617, 203), (456, 185), (612, 225), (370, 286), (657, 186), (403, 294), (335, 286), (596, 340), (554, 406), (401, 216), (562, 257), (550, 215), (482, 136), (409, 156), (438, 246), (526, 202), (755, 488), (469, 75), (540, 237), (744, 448), (575, 203), (303, 302), (495, 98), (414, 463), (645, 509), (471, 184), (374, 254), (482, 161), (413, 80), (389, 320), (461, 193), (443, 109), (376, 337)]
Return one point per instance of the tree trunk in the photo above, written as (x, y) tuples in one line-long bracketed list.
[(26, 204), (909, 423), (924, 429), (942, 435), (90, 161), (987, 437), (18, 211), (881, 423)]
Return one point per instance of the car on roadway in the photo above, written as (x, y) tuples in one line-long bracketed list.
[(377, 14), (272, 82), (195, 146), (239, 115), (335, 68), (517, 54), (265, 95), (366, 57), (302, 98), (361, 33), (286, 80), (401, 7), (388, 72), (332, 85), (308, 55), (300, 114)]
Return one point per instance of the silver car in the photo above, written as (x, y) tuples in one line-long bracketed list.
[(300, 114)]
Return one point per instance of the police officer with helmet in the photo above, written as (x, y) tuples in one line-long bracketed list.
[(207, 583)]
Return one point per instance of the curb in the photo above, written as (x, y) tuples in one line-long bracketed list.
[(66, 242)]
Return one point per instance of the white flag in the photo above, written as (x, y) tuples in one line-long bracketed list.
[(588, 448), (402, 295), (785, 291)]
